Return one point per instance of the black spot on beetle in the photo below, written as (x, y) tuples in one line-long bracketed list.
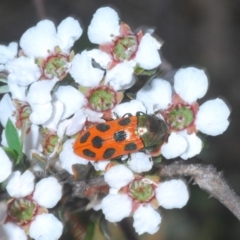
[(108, 153), (130, 147), (84, 137), (89, 153), (124, 121), (102, 127), (120, 136), (97, 142)]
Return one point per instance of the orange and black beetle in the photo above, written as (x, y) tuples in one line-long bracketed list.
[(114, 138)]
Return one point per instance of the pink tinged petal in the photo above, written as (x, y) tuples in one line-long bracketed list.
[(32, 141), (194, 145), (131, 107), (146, 220), (46, 227), (147, 56), (104, 26), (190, 84), (39, 40), (118, 176), (18, 92), (172, 194), (115, 207), (121, 76), (6, 109), (11, 231), (83, 72), (23, 71), (67, 157), (47, 192), (212, 117), (71, 98), (175, 146), (76, 123), (156, 96), (68, 31), (6, 166), (57, 112), (20, 185), (8, 52), (102, 58), (140, 162), (40, 92)]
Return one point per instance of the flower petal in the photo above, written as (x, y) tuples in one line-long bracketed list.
[(175, 146), (68, 31), (118, 176), (47, 192), (20, 185), (146, 220), (131, 107), (115, 207), (45, 227), (156, 96), (8, 52), (39, 40), (147, 55), (194, 145), (212, 117), (172, 194), (140, 162), (190, 84), (22, 71), (12, 231), (83, 72), (104, 26), (67, 157), (102, 58), (6, 166), (18, 92), (6, 110)]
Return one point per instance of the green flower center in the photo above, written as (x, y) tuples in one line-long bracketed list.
[(125, 48), (56, 66), (102, 99), (22, 210), (141, 191), (180, 117)]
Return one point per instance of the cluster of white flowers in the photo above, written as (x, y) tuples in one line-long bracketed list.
[(53, 94)]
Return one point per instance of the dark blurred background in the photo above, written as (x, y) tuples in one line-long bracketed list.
[(202, 33)]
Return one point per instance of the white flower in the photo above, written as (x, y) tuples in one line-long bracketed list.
[(38, 41), (6, 110), (105, 29), (6, 166), (118, 205), (8, 52), (67, 157), (12, 231)]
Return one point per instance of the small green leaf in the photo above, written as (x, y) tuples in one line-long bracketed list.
[(4, 89), (141, 71), (90, 231), (104, 228), (11, 153), (13, 139)]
